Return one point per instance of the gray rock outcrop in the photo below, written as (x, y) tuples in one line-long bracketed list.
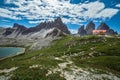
[(90, 27), (104, 26), (82, 31)]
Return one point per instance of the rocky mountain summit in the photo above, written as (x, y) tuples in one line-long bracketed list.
[(88, 30), (82, 31), (57, 23), (42, 30), (90, 27), (104, 26)]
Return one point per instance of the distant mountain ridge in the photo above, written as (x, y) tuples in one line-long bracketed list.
[(88, 30), (51, 28), (57, 23), (16, 30), (42, 30)]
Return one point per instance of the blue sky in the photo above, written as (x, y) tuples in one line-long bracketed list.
[(74, 13)]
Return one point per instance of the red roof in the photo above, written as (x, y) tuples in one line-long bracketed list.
[(98, 31)]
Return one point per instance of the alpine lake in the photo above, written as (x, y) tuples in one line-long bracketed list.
[(10, 51)]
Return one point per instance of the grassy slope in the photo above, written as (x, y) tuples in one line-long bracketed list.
[(92, 51)]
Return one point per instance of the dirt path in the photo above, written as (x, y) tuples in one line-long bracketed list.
[(71, 72)]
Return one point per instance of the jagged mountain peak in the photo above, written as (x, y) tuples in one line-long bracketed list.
[(57, 23), (58, 19), (83, 26), (90, 24), (90, 27), (15, 25), (18, 26), (82, 31), (103, 26)]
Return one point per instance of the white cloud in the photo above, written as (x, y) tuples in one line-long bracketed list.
[(107, 13), (8, 14), (34, 22), (48, 9), (39, 21), (118, 5), (73, 31)]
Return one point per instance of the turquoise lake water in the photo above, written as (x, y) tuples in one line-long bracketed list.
[(10, 51)]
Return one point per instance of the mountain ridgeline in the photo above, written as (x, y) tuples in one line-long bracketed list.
[(42, 30), (57, 23), (51, 28)]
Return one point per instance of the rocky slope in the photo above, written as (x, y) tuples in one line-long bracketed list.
[(15, 31), (35, 37), (2, 30)]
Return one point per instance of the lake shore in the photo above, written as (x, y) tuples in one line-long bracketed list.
[(18, 53)]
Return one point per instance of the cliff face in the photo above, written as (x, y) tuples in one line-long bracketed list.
[(82, 31), (90, 27)]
